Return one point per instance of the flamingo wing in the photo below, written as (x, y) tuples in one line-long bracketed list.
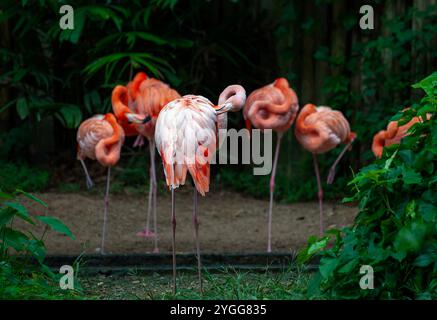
[(186, 140), (90, 133)]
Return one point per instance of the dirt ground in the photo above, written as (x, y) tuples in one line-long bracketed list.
[(230, 222)]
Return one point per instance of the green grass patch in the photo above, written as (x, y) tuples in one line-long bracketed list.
[(225, 285)]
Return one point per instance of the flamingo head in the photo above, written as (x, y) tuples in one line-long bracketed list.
[(281, 83), (232, 99)]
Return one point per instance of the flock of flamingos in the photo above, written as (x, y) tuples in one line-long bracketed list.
[(147, 107)]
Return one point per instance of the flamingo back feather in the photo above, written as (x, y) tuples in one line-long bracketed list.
[(100, 138), (392, 135), (320, 129), (274, 106), (186, 140)]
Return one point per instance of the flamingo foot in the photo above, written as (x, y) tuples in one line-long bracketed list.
[(146, 233), (331, 176), (139, 142), (89, 183)]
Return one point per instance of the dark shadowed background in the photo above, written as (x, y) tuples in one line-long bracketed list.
[(51, 80)]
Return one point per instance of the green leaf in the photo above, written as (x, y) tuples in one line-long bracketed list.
[(56, 225), (5, 196), (15, 239), (79, 23), (327, 266), (6, 214), (37, 249), (428, 84), (32, 197), (424, 260), (22, 108), (317, 246), (410, 176), (348, 267), (70, 116), (410, 237), (20, 211)]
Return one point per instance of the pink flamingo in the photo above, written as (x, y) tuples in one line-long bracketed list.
[(100, 138), (319, 130), (272, 107), (144, 96), (392, 135), (185, 137)]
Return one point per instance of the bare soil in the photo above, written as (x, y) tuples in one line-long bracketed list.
[(230, 222)]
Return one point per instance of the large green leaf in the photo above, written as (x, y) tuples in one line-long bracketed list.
[(56, 225), (15, 239), (327, 266), (22, 108), (20, 211), (32, 197), (70, 116), (6, 215)]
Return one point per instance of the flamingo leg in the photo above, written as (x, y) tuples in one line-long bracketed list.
[(272, 190), (146, 231), (105, 213), (89, 182), (320, 192), (151, 206), (196, 234), (173, 222), (154, 193), (331, 174)]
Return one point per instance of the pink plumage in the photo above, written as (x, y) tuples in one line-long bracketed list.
[(321, 129), (100, 138), (273, 106), (186, 140), (186, 135)]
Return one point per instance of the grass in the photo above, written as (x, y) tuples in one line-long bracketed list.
[(225, 285)]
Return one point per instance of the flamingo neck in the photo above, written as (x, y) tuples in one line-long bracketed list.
[(139, 78), (107, 151), (119, 103), (301, 126), (378, 143)]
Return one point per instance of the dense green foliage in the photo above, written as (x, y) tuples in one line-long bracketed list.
[(395, 231), (22, 176), (20, 277)]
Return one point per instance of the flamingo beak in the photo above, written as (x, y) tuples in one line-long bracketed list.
[(146, 119), (223, 108), (138, 119)]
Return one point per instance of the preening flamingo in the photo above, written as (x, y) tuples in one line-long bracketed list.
[(392, 135), (319, 130), (144, 96), (186, 136), (100, 138), (275, 107)]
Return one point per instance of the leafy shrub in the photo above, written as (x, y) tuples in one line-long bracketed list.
[(19, 278), (23, 177), (395, 231)]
